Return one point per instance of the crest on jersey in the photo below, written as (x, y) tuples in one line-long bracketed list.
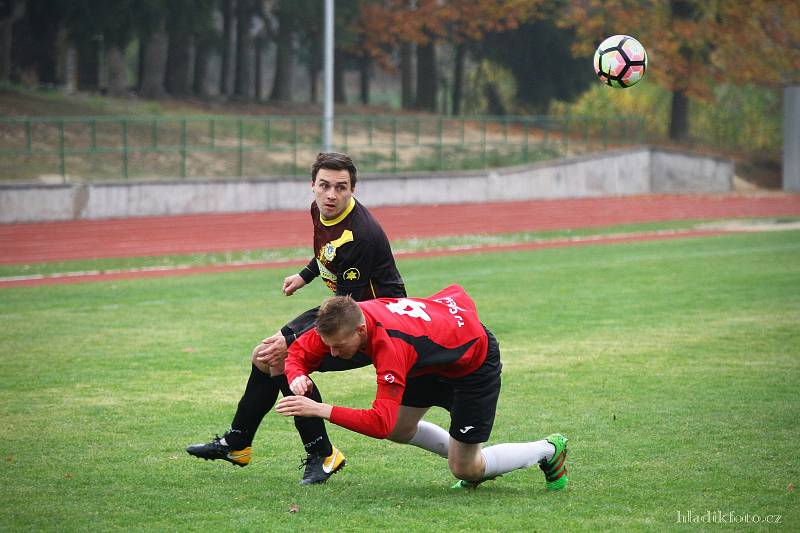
[(351, 274), (329, 252), (389, 378)]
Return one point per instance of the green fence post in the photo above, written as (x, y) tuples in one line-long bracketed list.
[(370, 126), (94, 134), (28, 136), (394, 144), (62, 167), (546, 140), (240, 148), (212, 132), (526, 129), (441, 145), (605, 134), (418, 130), (483, 142), (267, 132), (344, 134), (183, 148), (565, 136), (295, 170), (154, 133), (124, 124)]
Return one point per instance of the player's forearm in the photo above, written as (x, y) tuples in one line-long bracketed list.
[(324, 411), (297, 364), (310, 271), (377, 422), (303, 406), (293, 367)]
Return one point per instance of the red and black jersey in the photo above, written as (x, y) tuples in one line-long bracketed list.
[(353, 255), (406, 337)]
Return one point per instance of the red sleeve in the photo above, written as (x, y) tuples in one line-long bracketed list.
[(377, 422), (305, 355), (391, 369)]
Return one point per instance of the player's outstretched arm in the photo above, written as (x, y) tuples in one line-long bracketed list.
[(303, 406)]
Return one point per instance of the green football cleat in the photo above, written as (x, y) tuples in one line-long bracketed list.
[(555, 470), (463, 484)]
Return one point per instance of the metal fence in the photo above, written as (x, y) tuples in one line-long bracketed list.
[(105, 148)]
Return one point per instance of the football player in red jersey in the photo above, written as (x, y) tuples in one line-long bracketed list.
[(353, 256), (426, 352)]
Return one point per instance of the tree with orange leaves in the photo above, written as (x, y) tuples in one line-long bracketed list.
[(694, 44)]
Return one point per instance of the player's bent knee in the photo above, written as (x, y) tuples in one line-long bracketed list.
[(402, 435), (404, 428), (261, 365), (465, 460), (468, 472)]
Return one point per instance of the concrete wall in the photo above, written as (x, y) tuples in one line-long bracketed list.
[(791, 138), (618, 173)]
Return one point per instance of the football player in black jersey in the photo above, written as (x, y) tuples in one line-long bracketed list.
[(352, 255)]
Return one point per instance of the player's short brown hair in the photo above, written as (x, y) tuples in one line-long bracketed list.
[(335, 161), (338, 314)]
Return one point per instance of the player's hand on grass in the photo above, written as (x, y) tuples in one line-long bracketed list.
[(292, 283), (303, 406)]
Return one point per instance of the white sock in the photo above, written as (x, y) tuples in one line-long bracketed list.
[(432, 438), (502, 458)]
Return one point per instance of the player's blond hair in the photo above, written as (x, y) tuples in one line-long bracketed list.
[(338, 314)]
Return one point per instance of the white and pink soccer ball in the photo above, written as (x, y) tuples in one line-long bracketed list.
[(620, 61)]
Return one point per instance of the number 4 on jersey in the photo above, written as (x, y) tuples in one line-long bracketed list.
[(410, 308)]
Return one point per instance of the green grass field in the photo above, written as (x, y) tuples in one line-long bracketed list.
[(673, 366)]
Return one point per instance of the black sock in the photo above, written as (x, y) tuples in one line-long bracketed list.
[(311, 429), (259, 396)]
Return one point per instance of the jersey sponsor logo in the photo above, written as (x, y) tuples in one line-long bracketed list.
[(466, 428), (389, 378), (351, 274), (453, 308)]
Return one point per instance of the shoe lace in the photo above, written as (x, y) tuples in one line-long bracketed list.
[(310, 459)]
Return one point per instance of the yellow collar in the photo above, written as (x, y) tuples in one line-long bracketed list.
[(341, 217)]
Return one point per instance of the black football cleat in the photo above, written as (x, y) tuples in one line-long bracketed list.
[(318, 468), (217, 450)]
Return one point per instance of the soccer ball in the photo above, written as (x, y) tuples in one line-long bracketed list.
[(620, 61)]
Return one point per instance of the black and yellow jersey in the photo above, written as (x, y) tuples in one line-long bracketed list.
[(353, 255)]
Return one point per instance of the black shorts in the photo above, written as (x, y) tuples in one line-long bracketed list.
[(471, 399)]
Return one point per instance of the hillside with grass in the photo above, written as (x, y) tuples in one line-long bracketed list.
[(751, 136)]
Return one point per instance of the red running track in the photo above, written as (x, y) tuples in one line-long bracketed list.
[(174, 235)]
